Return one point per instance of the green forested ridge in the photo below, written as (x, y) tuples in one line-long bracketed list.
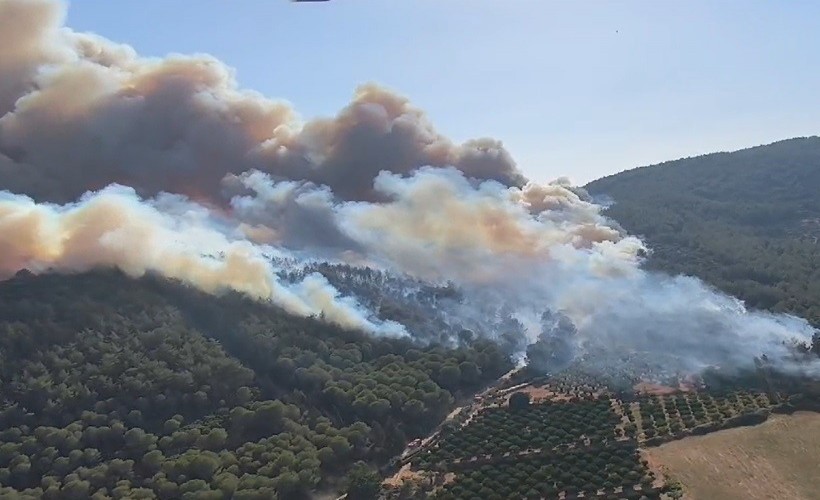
[(119, 388), (747, 222)]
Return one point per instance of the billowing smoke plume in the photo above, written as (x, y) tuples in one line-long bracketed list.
[(79, 111), (170, 236), (224, 184)]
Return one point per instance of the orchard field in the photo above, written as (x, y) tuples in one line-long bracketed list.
[(575, 436)]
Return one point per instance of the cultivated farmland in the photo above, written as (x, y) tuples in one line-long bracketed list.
[(775, 460), (577, 436)]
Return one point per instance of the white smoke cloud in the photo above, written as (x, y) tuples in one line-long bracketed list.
[(540, 247), (170, 236), (220, 179)]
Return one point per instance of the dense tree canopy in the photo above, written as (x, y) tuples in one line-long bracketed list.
[(119, 388), (747, 222), (362, 483), (519, 400)]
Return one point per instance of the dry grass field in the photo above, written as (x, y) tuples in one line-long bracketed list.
[(779, 459)]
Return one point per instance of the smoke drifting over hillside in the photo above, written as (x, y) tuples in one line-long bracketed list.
[(222, 182), (168, 235)]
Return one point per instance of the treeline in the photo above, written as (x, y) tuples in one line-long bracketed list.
[(747, 222), (119, 388), (440, 313)]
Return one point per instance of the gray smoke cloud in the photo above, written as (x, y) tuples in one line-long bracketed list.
[(168, 235), (225, 184), (79, 111)]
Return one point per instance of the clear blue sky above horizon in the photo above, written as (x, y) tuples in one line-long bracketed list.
[(577, 89)]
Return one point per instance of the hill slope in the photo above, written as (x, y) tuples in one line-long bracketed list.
[(747, 222), (125, 388)]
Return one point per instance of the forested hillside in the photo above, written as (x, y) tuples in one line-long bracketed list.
[(119, 388), (747, 222)]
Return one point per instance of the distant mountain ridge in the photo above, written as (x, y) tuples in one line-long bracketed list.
[(747, 221)]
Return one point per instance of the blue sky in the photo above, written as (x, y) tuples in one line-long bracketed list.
[(581, 89)]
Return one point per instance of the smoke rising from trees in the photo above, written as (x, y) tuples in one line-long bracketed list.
[(221, 179)]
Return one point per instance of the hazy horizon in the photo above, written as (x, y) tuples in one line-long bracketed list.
[(578, 90)]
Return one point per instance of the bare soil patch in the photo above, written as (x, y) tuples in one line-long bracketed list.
[(656, 389), (777, 459), (538, 394), (403, 474), (453, 414)]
